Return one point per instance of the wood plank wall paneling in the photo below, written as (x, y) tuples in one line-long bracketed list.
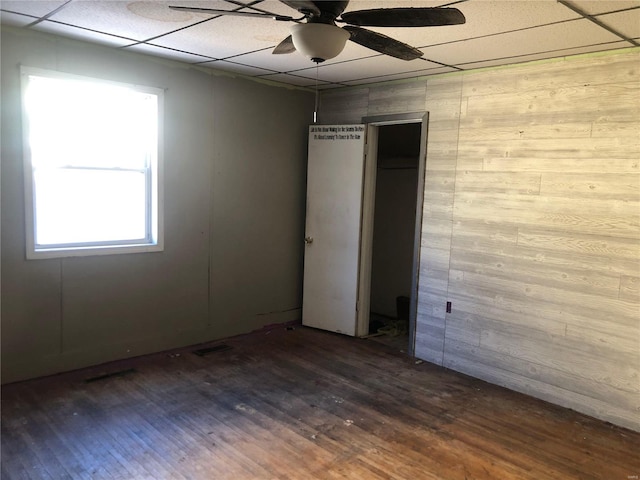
[(532, 227), (344, 106), (402, 98), (443, 104), (544, 299)]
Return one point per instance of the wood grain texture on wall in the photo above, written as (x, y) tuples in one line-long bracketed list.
[(532, 228), (443, 104), (546, 230)]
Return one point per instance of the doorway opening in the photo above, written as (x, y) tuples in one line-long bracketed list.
[(393, 195), (337, 270), (393, 239)]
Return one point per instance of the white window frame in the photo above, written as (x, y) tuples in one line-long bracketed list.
[(154, 239)]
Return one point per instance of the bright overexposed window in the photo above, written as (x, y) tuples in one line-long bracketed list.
[(92, 165)]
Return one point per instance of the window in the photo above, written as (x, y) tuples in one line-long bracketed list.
[(92, 165)]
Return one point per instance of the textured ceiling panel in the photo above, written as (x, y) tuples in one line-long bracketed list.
[(294, 80), (236, 68), (400, 76), (33, 8), (542, 56), (487, 17), (594, 7), (279, 63), (81, 34), (15, 20), (497, 32), (223, 37), (627, 22), (371, 67), (524, 42), (137, 20), (168, 53)]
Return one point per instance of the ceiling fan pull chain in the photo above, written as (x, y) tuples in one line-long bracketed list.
[(315, 110)]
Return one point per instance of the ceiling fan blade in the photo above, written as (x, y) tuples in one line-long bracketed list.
[(213, 11), (382, 43), (303, 6), (404, 17), (285, 46)]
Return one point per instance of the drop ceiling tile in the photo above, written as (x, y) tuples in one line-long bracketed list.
[(400, 76), (36, 9), (295, 61), (627, 23), (495, 16), (293, 80), (137, 20), (266, 6), (352, 51), (499, 32), (167, 53), (227, 36), (329, 86), (485, 17), (573, 34), (81, 34), (236, 68), (281, 63), (543, 56), (15, 19), (595, 7), (370, 67)]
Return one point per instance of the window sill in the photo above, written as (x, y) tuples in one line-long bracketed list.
[(92, 251)]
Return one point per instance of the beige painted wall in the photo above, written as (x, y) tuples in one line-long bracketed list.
[(235, 166), (531, 225)]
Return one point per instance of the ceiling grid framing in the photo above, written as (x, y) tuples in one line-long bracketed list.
[(497, 32)]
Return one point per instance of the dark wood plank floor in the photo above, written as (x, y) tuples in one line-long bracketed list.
[(297, 404)]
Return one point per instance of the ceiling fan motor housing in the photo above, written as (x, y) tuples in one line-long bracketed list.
[(329, 10)]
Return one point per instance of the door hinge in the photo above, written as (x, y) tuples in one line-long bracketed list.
[(357, 306)]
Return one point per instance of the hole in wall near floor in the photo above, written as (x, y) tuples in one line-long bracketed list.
[(201, 352), (120, 373)]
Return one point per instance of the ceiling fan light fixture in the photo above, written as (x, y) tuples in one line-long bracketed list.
[(319, 41)]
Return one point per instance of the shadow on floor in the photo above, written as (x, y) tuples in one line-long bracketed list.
[(389, 331)]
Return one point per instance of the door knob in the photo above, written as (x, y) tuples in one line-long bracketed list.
[(308, 240)]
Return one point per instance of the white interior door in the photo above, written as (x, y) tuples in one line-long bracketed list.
[(332, 235)]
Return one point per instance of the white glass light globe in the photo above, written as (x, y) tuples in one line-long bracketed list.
[(319, 41)]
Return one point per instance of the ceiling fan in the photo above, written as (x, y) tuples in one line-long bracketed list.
[(316, 35)]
